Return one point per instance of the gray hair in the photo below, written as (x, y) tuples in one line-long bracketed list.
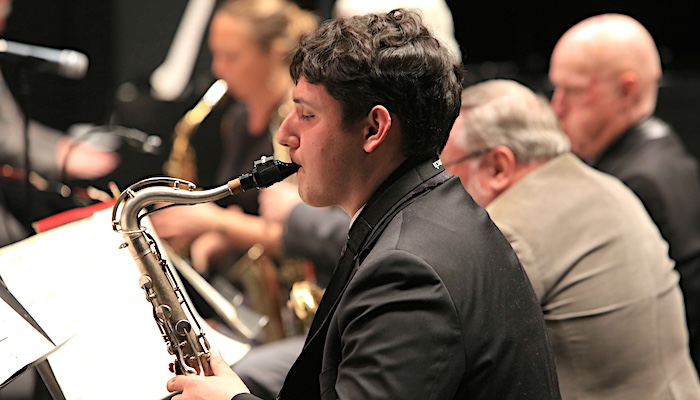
[(506, 113)]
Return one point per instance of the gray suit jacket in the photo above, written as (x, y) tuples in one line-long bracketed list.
[(606, 285)]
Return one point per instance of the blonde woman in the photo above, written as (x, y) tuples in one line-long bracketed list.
[(250, 41)]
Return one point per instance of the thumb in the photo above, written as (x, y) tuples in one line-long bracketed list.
[(218, 365)]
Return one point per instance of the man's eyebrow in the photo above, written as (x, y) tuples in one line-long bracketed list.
[(300, 100)]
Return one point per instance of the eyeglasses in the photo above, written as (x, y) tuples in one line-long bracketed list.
[(468, 156)]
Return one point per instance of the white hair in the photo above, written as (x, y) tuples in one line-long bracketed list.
[(503, 112)]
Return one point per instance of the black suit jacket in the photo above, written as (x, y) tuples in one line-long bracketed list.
[(433, 305), (652, 160)]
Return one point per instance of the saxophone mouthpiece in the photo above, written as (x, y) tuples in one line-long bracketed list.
[(266, 172)]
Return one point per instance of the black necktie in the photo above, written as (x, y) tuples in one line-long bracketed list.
[(358, 233)]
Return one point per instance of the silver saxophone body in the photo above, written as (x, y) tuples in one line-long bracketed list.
[(174, 316)]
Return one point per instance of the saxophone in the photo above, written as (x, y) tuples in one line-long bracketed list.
[(304, 298), (181, 332), (181, 162)]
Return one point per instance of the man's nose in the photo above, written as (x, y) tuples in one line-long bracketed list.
[(285, 135), (558, 103)]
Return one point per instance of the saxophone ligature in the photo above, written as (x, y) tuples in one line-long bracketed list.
[(181, 332)]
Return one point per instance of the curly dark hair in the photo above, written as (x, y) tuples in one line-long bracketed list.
[(391, 60)]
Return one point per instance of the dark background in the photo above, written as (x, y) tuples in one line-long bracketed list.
[(127, 39)]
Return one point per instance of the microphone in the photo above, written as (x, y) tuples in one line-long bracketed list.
[(140, 140), (111, 137), (66, 63)]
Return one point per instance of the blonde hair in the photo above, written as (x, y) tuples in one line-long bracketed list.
[(277, 24)]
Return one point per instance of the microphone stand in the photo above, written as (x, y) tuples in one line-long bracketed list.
[(23, 101), (43, 368)]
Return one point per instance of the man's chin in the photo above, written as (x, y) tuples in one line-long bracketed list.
[(311, 200)]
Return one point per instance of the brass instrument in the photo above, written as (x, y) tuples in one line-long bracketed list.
[(266, 280), (181, 332), (181, 162), (304, 299), (257, 273)]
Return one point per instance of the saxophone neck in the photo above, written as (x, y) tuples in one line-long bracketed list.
[(265, 172), (160, 190)]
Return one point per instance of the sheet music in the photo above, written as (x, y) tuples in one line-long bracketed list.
[(20, 344), (74, 280)]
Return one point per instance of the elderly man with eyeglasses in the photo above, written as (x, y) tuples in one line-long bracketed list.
[(598, 264)]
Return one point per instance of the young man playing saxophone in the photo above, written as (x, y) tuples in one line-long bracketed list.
[(429, 299)]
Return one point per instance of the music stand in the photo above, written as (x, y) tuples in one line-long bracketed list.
[(42, 365)]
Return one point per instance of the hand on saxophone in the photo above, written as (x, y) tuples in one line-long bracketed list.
[(223, 385)]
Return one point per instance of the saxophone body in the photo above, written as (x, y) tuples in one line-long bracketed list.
[(180, 330)]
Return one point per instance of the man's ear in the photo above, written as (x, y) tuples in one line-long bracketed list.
[(629, 87), (500, 167), (377, 128)]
